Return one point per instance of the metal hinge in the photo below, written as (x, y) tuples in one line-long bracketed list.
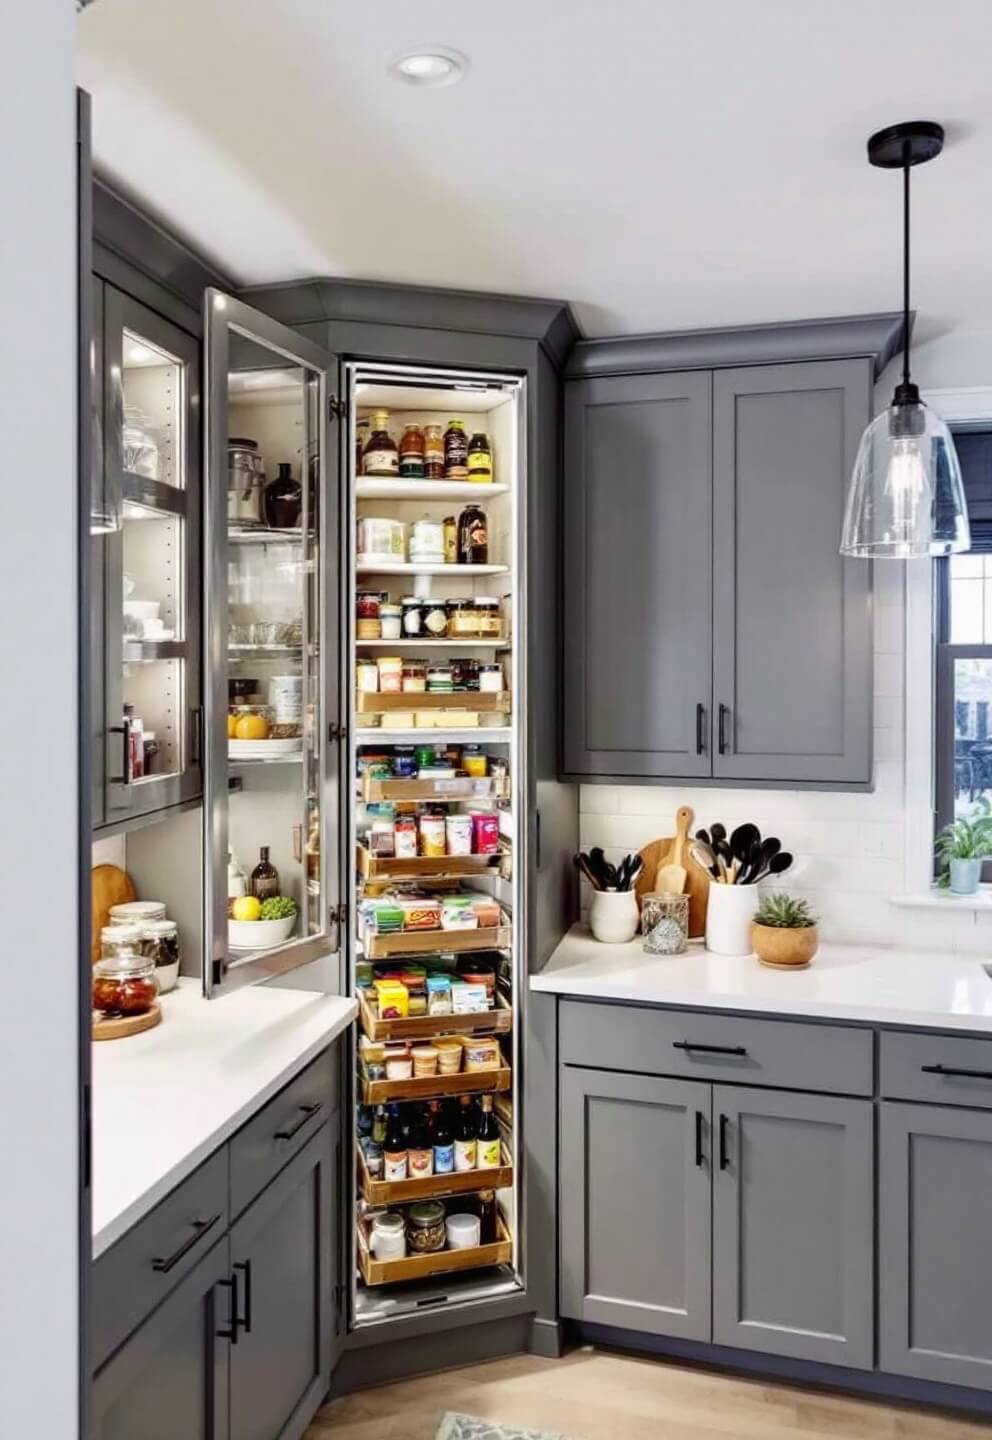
[(336, 731), (337, 409), (338, 914)]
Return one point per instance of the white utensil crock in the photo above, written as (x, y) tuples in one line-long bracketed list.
[(729, 912), (613, 916)]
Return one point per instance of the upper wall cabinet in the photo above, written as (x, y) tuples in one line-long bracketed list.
[(712, 629)]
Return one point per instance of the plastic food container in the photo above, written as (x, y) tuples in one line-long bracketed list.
[(368, 677), (485, 832), (481, 1052), (491, 679), (425, 1228), (124, 984), (388, 1239), (427, 542), (381, 539), (391, 621), (425, 1060), (458, 834), (449, 1052), (463, 1231), (399, 1067)]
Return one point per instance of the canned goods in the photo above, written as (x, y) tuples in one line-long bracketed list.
[(485, 832)]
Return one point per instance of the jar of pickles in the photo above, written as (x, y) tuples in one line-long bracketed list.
[(425, 1227)]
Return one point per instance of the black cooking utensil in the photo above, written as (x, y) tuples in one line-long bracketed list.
[(759, 858), (718, 832), (776, 865), (742, 839), (598, 864), (581, 863), (703, 835), (703, 854)]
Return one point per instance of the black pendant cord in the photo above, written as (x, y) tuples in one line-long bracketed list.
[(905, 266)]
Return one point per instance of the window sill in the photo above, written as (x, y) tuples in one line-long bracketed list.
[(934, 899)]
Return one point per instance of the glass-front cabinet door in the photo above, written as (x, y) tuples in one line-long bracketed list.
[(151, 470), (272, 720)]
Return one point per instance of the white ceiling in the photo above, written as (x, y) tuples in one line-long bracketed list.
[(661, 164)]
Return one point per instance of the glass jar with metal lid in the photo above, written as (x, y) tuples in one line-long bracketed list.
[(489, 616), (124, 984), (120, 939), (425, 1227), (160, 942), (463, 620)]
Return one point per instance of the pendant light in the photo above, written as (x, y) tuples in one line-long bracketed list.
[(906, 497)]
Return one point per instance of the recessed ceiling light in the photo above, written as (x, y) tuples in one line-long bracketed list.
[(429, 66), (138, 354)]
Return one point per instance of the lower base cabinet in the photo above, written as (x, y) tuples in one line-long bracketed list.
[(718, 1213), (935, 1262), (242, 1348)]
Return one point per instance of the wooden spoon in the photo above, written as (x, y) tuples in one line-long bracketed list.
[(671, 877)]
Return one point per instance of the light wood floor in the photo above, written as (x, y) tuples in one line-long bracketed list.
[(598, 1395)]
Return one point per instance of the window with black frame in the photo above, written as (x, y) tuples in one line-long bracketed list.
[(963, 639)]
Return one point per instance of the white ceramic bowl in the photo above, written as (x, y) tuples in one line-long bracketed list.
[(259, 934)]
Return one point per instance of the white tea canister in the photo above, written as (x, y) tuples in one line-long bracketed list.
[(613, 916), (729, 912)]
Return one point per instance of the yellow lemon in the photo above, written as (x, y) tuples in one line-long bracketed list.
[(232, 727), (251, 727), (246, 907)]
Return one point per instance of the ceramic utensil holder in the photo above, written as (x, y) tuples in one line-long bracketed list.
[(729, 912), (613, 916)]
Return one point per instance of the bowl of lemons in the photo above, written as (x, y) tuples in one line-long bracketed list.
[(261, 924)]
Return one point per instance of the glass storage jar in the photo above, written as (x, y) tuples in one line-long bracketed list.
[(463, 620), (388, 1240), (414, 675), (425, 1227), (124, 984), (120, 939), (160, 943), (489, 616), (665, 924)]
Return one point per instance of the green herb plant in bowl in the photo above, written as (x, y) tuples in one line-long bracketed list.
[(961, 847), (784, 933)]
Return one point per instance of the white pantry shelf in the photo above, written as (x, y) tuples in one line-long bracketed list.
[(370, 488), (414, 644), (410, 567), (494, 734)]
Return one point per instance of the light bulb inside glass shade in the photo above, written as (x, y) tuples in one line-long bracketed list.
[(906, 497)]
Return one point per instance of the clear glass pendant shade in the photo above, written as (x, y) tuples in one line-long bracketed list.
[(906, 497)]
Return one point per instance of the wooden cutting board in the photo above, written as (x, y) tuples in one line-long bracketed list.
[(109, 886), (697, 885)]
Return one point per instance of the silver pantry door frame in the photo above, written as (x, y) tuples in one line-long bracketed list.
[(223, 314)]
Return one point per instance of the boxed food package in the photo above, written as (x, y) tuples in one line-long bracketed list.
[(394, 1000), (468, 999), (481, 1052)]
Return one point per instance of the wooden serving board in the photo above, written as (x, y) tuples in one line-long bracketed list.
[(118, 1027), (109, 885), (697, 885)]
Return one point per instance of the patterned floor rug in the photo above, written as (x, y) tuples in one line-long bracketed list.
[(468, 1427)]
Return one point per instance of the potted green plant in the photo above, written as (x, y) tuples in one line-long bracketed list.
[(783, 932), (961, 847)]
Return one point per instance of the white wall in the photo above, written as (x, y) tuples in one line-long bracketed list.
[(850, 848), (38, 726)]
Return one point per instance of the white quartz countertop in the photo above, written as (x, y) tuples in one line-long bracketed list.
[(165, 1099), (847, 982)]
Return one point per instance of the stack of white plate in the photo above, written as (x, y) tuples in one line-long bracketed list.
[(264, 749)]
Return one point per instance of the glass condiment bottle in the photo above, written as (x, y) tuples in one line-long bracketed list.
[(412, 453), (433, 452), (455, 451), (264, 877), (488, 1154), (480, 458), (486, 1204), (381, 456), (473, 537)]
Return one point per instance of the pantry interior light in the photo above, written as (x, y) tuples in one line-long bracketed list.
[(429, 66)]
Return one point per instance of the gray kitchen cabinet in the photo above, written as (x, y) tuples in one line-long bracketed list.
[(281, 1260), (792, 645), (935, 1266), (793, 1225), (636, 555), (170, 1378), (635, 1202)]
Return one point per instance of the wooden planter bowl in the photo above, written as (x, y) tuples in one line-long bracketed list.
[(785, 949)]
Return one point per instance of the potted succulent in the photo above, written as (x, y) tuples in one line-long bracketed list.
[(784, 933), (961, 847)]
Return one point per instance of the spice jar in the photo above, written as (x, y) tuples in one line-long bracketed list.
[(391, 621), (489, 617), (491, 679), (665, 924), (388, 1238), (433, 453), (124, 984), (413, 616), (161, 945), (412, 453), (425, 1227), (414, 676)]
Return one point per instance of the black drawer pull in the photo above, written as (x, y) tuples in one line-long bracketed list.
[(964, 1074), (724, 715), (699, 1139), (724, 1160), (309, 1111), (232, 1333), (700, 731), (200, 1228), (245, 1267), (709, 1049)]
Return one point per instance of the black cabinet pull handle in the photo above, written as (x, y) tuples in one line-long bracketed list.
[(724, 716), (724, 1160), (700, 728), (124, 778), (245, 1267), (699, 1139), (309, 1111), (689, 1045), (232, 1333), (196, 735), (200, 1228), (964, 1074)]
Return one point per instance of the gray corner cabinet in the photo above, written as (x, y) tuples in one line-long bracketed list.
[(816, 1192), (216, 1316), (712, 630)]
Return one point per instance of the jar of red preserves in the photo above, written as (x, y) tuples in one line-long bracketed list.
[(124, 983)]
